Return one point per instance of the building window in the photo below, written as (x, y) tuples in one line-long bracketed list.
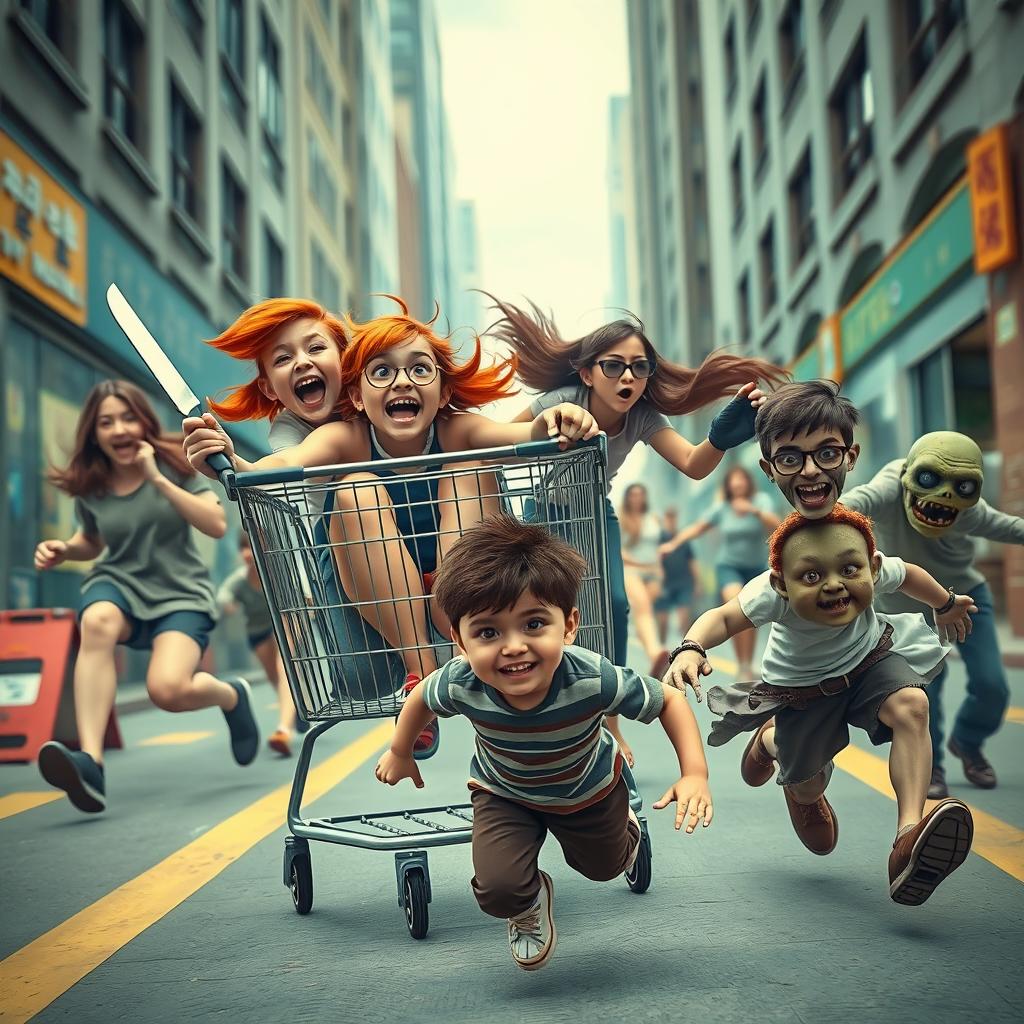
[(321, 181), (923, 26), (730, 61), (736, 173), (56, 20), (326, 288), (759, 122), (232, 57), (766, 256), (792, 44), (350, 227), (273, 265), (346, 132), (122, 75), (853, 115), (801, 209), (270, 103), (743, 307), (344, 33), (318, 80), (326, 8), (753, 21), (190, 14), (232, 219), (186, 155)]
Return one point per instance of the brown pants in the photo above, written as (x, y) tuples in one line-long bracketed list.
[(597, 842)]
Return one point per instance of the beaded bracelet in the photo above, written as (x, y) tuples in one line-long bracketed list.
[(687, 645), (949, 604)]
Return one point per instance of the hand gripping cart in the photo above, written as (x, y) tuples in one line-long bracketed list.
[(316, 532)]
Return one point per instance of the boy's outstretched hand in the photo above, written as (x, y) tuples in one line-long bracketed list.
[(688, 667), (692, 798), (392, 768), (956, 623)]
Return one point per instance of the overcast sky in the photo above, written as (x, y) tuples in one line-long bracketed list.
[(527, 85)]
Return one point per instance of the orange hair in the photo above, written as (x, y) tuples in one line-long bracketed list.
[(794, 522), (248, 338), (471, 385)]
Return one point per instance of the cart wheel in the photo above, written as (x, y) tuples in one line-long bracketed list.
[(638, 878), (302, 884), (417, 916)]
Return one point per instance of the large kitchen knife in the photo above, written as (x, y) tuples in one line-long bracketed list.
[(172, 382)]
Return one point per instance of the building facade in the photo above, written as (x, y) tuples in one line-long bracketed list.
[(624, 286), (843, 243)]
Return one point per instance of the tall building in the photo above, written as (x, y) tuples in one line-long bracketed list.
[(844, 243), (416, 72), (670, 189), (624, 287), (468, 311), (378, 214), (407, 203), (144, 144)]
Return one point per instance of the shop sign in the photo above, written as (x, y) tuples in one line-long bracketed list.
[(823, 358), (42, 234), (936, 253), (995, 231)]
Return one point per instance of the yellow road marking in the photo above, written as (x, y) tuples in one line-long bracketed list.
[(1015, 715), (15, 803), (997, 842), (46, 968), (174, 738)]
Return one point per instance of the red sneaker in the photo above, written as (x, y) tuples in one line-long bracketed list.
[(427, 742)]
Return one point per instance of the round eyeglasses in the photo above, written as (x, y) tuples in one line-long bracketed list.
[(383, 375), (790, 461), (615, 368)]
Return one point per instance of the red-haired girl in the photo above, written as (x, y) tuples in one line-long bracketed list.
[(137, 499), (616, 373), (403, 394)]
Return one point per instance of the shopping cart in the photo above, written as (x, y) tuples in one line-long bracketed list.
[(308, 527)]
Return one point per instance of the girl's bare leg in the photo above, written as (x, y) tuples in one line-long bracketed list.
[(103, 627), (642, 611), (378, 567), (270, 659), (173, 682)]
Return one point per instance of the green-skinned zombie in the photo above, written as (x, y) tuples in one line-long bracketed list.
[(941, 478), (928, 509)]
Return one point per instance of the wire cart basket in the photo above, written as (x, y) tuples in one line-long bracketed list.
[(329, 541)]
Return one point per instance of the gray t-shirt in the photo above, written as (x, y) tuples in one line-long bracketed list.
[(744, 536), (151, 555), (287, 431), (643, 421), (237, 589), (949, 558)]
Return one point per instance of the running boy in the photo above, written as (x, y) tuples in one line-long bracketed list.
[(831, 662), (543, 758)]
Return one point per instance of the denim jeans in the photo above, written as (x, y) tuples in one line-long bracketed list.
[(988, 694)]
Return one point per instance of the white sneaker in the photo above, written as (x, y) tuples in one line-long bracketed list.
[(531, 936), (639, 838)]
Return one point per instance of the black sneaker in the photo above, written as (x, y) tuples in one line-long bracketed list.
[(245, 733), (76, 773)]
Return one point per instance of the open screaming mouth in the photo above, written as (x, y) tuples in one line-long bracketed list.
[(840, 604), (932, 513), (814, 495), (310, 390), (624, 393), (402, 409)]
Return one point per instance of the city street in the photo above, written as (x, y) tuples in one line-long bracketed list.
[(170, 906)]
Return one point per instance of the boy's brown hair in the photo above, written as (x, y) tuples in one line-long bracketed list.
[(794, 522), (801, 406), (498, 560)]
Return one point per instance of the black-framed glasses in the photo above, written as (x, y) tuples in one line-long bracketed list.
[(790, 461), (421, 373), (615, 368)]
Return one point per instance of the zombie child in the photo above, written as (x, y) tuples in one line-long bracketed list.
[(929, 508), (831, 662)]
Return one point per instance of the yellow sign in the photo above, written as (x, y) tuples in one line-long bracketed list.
[(42, 234), (995, 232), (829, 342)]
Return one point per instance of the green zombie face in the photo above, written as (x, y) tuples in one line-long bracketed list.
[(941, 477)]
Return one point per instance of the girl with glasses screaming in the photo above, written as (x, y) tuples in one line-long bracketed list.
[(617, 375), (402, 394)]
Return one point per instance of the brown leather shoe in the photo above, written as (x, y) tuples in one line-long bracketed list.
[(815, 824), (976, 768), (758, 766), (937, 788), (925, 854)]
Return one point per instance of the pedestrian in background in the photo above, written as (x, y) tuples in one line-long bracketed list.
[(137, 500), (680, 580), (744, 519), (243, 591)]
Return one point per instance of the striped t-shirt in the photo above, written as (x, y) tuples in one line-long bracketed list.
[(556, 757)]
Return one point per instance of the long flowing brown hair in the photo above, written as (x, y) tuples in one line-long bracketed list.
[(547, 361), (88, 472)]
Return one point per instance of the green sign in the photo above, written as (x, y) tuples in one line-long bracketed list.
[(942, 249)]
